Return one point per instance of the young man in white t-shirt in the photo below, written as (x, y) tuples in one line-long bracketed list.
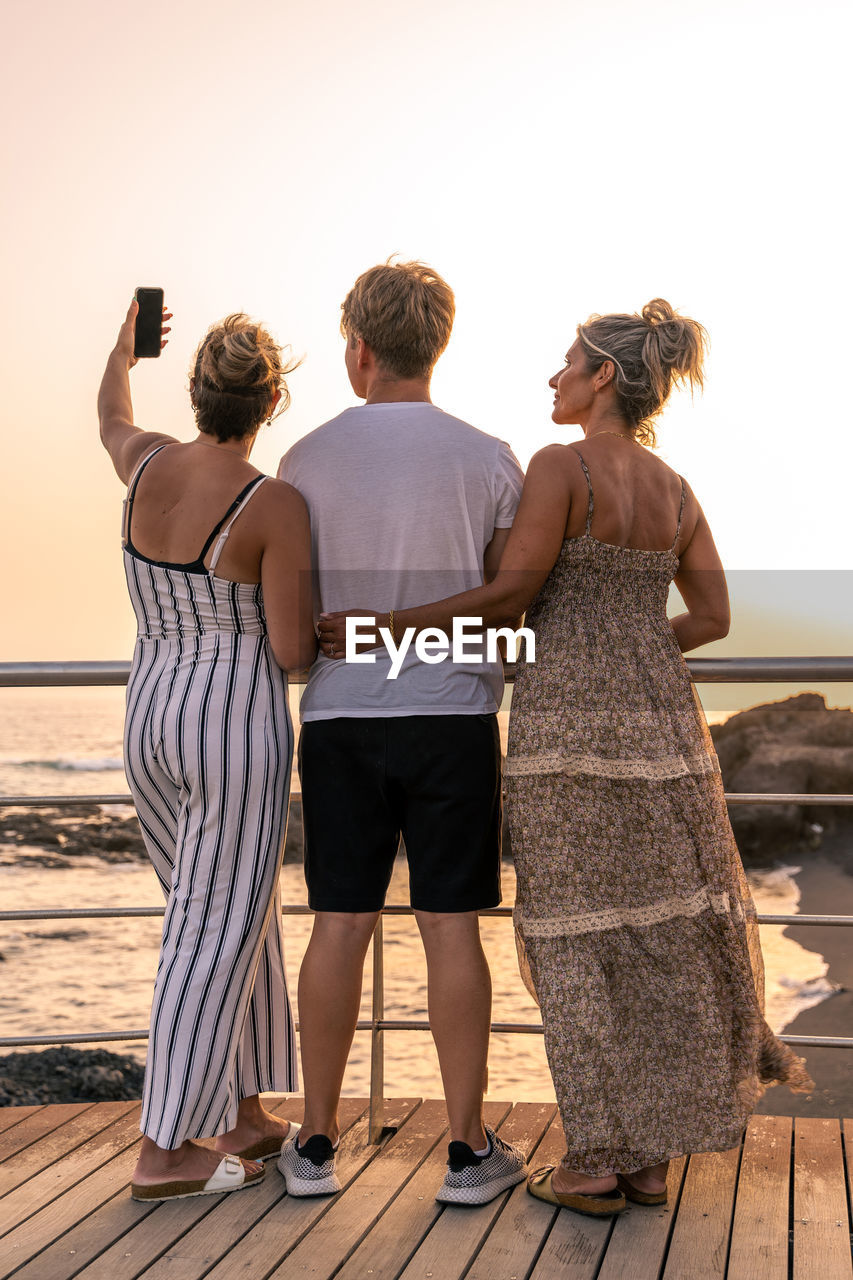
[(407, 504)]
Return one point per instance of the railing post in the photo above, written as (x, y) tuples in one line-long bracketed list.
[(377, 1038)]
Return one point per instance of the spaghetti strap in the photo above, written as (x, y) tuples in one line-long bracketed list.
[(215, 530), (127, 505), (591, 504), (680, 513), (233, 511)]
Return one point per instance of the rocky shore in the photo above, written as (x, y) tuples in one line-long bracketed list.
[(54, 837), (795, 746), (67, 1075)]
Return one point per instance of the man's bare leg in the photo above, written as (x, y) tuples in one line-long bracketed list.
[(329, 998), (460, 1011)]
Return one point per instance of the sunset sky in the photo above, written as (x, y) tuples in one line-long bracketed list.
[(549, 159)]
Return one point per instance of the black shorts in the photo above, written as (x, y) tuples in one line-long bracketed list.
[(434, 779)]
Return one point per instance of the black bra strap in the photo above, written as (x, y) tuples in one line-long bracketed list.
[(215, 530), (591, 505), (131, 493)]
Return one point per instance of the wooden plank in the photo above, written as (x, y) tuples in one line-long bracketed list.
[(821, 1222), (408, 1219), (700, 1237), (14, 1115), (641, 1234), (759, 1244), (58, 1197), (187, 1237), (125, 1221), (279, 1232), (514, 1242), (458, 1234), (83, 1124), (573, 1248), (35, 1127), (338, 1234)]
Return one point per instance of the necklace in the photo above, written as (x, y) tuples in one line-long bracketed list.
[(612, 433), (221, 448)]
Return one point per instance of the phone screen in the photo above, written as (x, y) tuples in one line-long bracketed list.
[(149, 321)]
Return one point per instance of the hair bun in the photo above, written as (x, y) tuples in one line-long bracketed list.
[(659, 311), (652, 352), (238, 370)]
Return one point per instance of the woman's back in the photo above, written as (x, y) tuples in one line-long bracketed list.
[(201, 533), (637, 499), (182, 494)]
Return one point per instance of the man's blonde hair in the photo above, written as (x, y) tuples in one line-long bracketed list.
[(404, 312)]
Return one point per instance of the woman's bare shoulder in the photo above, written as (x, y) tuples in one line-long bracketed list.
[(281, 501), (562, 456)]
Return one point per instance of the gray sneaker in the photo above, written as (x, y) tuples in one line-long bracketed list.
[(309, 1170), (473, 1179)]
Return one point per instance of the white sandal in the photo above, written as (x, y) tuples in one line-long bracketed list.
[(229, 1175)]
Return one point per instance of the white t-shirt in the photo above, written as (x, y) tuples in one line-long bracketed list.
[(404, 500)]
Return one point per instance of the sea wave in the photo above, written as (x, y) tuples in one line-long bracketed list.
[(95, 764)]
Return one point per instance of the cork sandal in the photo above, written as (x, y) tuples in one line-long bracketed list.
[(599, 1205)]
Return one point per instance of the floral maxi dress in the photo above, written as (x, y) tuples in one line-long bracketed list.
[(635, 926)]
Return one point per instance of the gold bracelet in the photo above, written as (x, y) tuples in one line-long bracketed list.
[(391, 625)]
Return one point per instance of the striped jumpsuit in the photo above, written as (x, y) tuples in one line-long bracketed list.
[(208, 744)]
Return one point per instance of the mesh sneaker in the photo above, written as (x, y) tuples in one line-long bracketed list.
[(473, 1179), (309, 1170)]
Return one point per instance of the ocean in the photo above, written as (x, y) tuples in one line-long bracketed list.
[(96, 975)]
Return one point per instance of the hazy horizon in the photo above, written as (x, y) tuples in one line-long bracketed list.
[(549, 162)]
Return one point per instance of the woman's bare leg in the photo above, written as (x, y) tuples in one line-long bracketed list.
[(651, 1180), (189, 1162), (254, 1122), (569, 1182)]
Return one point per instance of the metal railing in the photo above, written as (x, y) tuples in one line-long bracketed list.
[(703, 670)]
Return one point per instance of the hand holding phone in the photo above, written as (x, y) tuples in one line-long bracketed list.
[(148, 339)]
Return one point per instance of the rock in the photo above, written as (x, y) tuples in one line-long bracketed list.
[(65, 1074), (53, 837), (797, 745)]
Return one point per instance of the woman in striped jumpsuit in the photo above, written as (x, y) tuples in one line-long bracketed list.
[(208, 748)]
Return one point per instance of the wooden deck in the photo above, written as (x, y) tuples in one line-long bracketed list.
[(777, 1208)]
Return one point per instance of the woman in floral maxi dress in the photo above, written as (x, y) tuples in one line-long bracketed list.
[(635, 927)]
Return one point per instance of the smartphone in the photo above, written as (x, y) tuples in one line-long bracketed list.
[(149, 321)]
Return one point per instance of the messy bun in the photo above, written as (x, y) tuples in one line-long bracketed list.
[(652, 352), (236, 373)]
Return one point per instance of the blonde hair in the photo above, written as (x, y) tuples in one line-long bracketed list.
[(652, 352), (236, 373), (404, 312)]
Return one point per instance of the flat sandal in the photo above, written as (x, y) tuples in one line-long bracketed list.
[(597, 1205)]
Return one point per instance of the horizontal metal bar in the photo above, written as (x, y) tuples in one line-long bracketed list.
[(62, 802), (385, 1024), (107, 913), (31, 675), (87, 1037), (787, 797), (792, 920), (732, 797), (703, 670), (769, 670), (300, 909), (818, 1042)]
